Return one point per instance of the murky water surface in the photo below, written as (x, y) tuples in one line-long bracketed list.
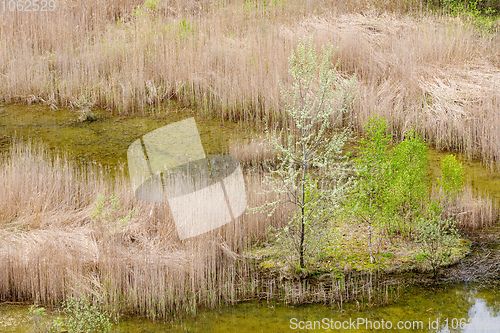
[(457, 308), (454, 308), (106, 139)]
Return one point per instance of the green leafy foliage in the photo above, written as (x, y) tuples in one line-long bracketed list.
[(408, 184), (437, 237), (372, 166), (392, 191), (311, 170), (452, 176), (81, 316), (148, 7), (107, 214), (185, 29), (152, 4), (474, 7), (481, 13), (392, 183)]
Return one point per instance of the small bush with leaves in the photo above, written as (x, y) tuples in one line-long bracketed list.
[(81, 316), (107, 214), (437, 237)]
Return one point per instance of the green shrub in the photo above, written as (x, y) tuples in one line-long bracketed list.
[(108, 216), (372, 167), (437, 237), (408, 188), (452, 176), (476, 7), (81, 316)]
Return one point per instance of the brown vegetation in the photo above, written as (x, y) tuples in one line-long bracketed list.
[(224, 57), (253, 153), (472, 211), (57, 242)]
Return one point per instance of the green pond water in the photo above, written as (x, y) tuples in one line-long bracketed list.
[(453, 308), (106, 139)]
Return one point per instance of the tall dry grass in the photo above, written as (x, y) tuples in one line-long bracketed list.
[(472, 211), (432, 72), (56, 241)]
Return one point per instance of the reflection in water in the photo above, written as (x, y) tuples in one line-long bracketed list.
[(460, 308), (483, 318)]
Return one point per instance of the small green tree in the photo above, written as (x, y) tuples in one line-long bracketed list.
[(311, 170), (372, 167), (437, 236), (408, 188), (452, 177)]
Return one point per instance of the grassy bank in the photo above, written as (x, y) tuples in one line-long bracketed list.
[(415, 66)]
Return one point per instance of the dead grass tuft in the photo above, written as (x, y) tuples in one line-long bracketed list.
[(472, 211)]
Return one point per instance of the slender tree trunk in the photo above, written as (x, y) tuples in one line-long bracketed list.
[(370, 232), (301, 247), (302, 208)]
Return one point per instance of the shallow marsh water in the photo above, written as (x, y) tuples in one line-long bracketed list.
[(106, 141), (463, 308)]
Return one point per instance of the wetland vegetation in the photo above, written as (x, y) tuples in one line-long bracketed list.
[(348, 204)]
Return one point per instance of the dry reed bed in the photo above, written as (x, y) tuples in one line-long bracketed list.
[(51, 246), (433, 73), (473, 211)]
